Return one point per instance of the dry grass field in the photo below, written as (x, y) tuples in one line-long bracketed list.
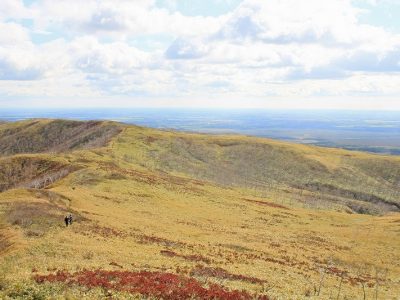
[(163, 214)]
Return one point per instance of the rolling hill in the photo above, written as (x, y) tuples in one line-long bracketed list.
[(173, 215)]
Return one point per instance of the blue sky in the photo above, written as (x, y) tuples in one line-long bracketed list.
[(200, 53)]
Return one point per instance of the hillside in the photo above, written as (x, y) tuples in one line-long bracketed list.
[(313, 176), (36, 136), (170, 214)]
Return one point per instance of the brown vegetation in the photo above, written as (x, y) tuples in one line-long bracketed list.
[(191, 257), (313, 176), (37, 136), (37, 218), (202, 271), (5, 242), (271, 204), (31, 172)]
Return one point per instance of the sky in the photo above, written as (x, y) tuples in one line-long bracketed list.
[(309, 54)]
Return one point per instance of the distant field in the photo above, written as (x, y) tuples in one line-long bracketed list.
[(175, 215), (377, 131)]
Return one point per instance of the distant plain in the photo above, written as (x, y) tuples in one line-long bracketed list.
[(373, 131)]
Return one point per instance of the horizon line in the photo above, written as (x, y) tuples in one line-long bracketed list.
[(200, 108)]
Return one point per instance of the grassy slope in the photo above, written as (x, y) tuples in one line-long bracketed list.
[(36, 136), (165, 201), (316, 177)]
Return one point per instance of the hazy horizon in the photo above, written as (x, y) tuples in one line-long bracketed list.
[(374, 131)]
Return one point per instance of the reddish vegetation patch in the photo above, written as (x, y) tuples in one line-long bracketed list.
[(150, 140), (102, 231), (336, 271), (193, 257), (151, 239), (150, 284), (115, 264), (354, 280), (270, 204), (160, 178), (223, 274)]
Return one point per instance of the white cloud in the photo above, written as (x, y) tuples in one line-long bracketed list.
[(116, 58), (289, 21), (120, 18), (17, 58), (275, 48), (12, 34), (186, 49), (13, 9)]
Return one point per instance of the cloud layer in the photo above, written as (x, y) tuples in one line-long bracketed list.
[(146, 52)]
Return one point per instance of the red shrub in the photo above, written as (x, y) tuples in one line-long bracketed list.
[(152, 284)]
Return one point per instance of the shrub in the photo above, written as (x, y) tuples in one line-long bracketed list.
[(149, 284)]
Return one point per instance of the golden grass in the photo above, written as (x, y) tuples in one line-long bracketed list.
[(136, 214)]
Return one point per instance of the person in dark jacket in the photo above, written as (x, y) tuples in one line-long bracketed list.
[(66, 219)]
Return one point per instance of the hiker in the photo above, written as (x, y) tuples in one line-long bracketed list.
[(70, 219), (66, 219)]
